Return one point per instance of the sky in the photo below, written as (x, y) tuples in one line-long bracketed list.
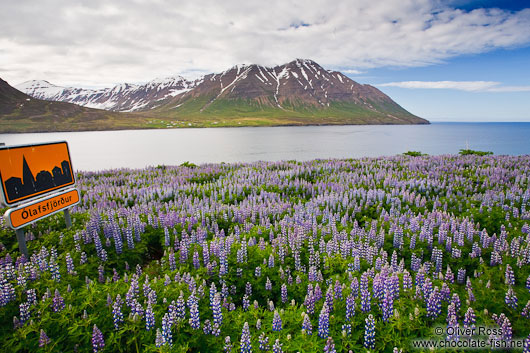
[(443, 60)]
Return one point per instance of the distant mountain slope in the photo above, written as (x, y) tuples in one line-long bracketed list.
[(300, 91), (22, 113), (123, 97)]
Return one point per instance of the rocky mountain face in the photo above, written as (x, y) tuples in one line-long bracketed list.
[(20, 112), (299, 89), (298, 82), (124, 97)]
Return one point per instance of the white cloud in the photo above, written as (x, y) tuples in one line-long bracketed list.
[(470, 86), (351, 71), (100, 42)]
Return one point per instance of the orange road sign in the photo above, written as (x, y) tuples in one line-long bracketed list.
[(28, 213), (30, 171)]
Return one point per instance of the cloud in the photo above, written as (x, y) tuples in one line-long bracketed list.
[(103, 42), (352, 71), (469, 86)]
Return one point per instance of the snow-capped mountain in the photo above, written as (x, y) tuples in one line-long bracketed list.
[(123, 97), (298, 90), (301, 80)]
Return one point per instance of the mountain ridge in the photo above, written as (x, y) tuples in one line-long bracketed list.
[(298, 89), (20, 112), (300, 92)]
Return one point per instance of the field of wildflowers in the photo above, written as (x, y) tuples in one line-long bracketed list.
[(317, 256)]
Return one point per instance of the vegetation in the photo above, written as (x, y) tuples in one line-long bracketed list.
[(323, 255), (414, 154), (468, 152)]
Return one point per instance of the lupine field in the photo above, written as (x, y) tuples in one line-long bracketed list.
[(319, 256)]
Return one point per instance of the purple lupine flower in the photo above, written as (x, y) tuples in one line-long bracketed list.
[(511, 299), (346, 329), (276, 322), (434, 307), (509, 276), (195, 321), (407, 280), (452, 322), (369, 332), (246, 346), (216, 330), (284, 293), (456, 301), (317, 293), (101, 274), (330, 346), (216, 308), (149, 318), (445, 292), (277, 347), (227, 348), (309, 302), (117, 315), (388, 307), (338, 290), (449, 276), (70, 264), (24, 313), (263, 342), (167, 335), (528, 283), (506, 328), (526, 310), (323, 322), (354, 287), (44, 340), (159, 340), (461, 275), (365, 301), (58, 302), (469, 318), (248, 289), (329, 298), (350, 307), (207, 327), (181, 308), (172, 261), (98, 343), (268, 284), (246, 302), (306, 325), (32, 296)]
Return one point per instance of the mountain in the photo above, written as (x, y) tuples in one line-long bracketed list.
[(124, 97), (298, 93), (22, 113), (301, 92)]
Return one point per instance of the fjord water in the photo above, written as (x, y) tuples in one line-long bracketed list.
[(100, 150)]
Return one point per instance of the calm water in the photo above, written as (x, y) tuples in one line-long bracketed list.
[(141, 148)]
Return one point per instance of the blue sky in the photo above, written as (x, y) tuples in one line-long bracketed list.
[(507, 67), (510, 68), (444, 60)]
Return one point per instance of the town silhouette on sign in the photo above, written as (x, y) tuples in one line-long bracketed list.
[(17, 188)]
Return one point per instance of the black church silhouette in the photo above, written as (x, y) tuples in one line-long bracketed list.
[(17, 188)]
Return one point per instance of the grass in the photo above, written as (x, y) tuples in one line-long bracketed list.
[(220, 113)]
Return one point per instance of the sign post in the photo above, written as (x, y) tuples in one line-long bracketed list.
[(36, 181), (67, 218), (21, 238)]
